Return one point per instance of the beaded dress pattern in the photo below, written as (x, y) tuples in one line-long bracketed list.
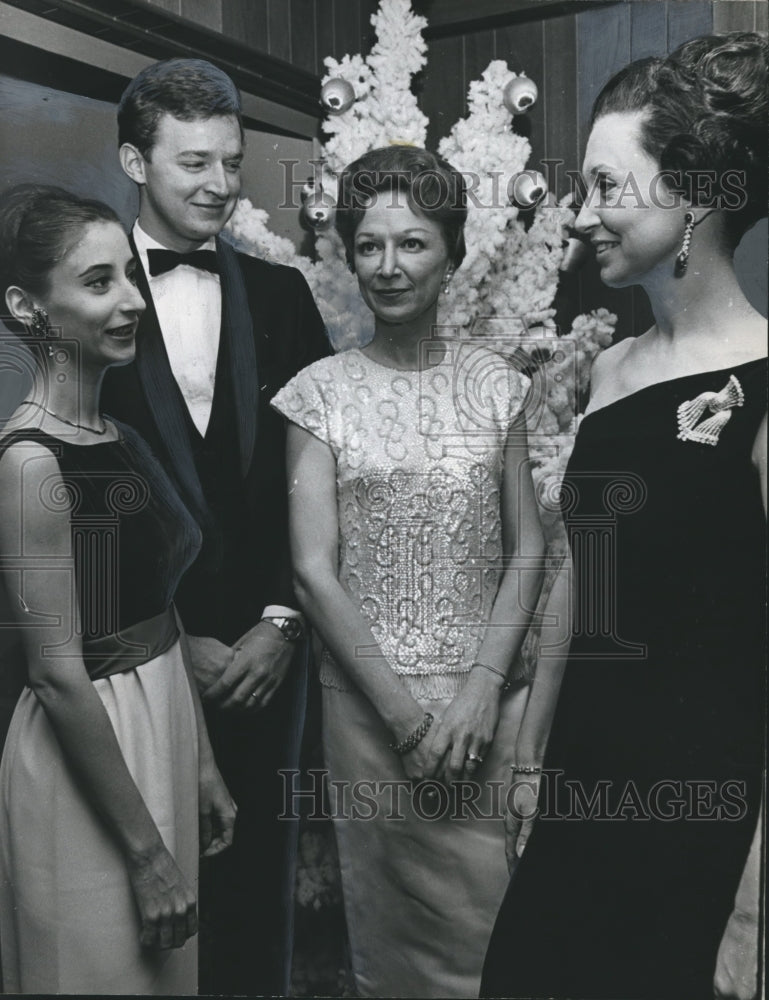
[(419, 465)]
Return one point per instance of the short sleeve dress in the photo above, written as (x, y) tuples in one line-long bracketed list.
[(653, 770), (68, 920), (419, 461)]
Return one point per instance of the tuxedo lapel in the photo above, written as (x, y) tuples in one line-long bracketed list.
[(163, 397), (237, 326)]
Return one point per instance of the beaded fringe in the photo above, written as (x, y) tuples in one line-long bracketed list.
[(423, 687)]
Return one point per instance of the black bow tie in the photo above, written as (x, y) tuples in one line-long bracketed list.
[(161, 261)]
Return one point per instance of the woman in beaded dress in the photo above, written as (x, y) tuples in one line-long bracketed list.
[(641, 875), (107, 769), (416, 542)]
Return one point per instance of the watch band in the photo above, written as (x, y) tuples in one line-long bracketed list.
[(292, 627)]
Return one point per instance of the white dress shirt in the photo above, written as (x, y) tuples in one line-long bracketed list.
[(188, 303)]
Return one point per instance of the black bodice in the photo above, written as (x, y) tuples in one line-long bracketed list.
[(667, 536), (132, 537)]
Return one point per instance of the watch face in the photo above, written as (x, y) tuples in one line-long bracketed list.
[(292, 629)]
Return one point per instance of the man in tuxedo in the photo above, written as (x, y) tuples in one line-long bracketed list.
[(221, 334)]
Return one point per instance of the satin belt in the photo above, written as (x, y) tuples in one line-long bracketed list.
[(132, 646)]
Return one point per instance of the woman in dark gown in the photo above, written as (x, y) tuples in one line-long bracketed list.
[(107, 768), (640, 877)]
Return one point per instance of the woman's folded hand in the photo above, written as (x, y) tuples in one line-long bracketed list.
[(166, 902), (465, 732)]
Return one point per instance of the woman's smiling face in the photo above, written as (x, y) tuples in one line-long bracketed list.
[(91, 295), (632, 220), (401, 260)]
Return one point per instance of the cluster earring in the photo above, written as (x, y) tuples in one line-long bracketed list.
[(682, 260), (447, 281), (39, 324)]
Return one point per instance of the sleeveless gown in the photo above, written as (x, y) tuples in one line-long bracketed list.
[(68, 920), (660, 718)]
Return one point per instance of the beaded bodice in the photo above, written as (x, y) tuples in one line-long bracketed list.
[(419, 458)]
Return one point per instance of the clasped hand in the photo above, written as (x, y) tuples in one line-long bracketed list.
[(243, 677), (466, 728), (166, 901)]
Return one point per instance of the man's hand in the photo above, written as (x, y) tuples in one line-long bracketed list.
[(209, 658), (260, 664)]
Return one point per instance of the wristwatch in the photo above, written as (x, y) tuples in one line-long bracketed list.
[(292, 627)]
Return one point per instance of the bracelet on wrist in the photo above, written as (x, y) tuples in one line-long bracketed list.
[(525, 768), (493, 670), (413, 739)]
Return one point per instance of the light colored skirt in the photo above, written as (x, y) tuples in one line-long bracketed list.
[(421, 894), (68, 920)]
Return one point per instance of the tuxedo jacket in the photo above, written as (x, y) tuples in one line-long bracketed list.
[(234, 479)]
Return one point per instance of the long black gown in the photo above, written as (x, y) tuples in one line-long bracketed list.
[(661, 710)]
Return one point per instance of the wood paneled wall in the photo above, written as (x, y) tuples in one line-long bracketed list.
[(302, 32)]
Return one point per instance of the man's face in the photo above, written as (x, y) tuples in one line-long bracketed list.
[(191, 181)]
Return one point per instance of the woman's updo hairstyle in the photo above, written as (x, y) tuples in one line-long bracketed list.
[(38, 225), (705, 121), (433, 188)]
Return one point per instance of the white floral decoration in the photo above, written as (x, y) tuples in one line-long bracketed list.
[(510, 273), (385, 110)]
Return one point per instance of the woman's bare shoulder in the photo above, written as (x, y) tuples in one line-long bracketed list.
[(606, 363), (25, 464)]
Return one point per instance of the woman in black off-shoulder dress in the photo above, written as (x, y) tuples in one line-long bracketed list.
[(640, 875)]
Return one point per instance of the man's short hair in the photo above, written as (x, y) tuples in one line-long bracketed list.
[(187, 89)]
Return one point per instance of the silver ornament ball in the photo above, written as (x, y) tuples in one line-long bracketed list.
[(318, 211), (337, 96), (519, 95), (527, 188)]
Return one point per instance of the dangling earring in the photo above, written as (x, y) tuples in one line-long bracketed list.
[(447, 281), (39, 323), (682, 260)]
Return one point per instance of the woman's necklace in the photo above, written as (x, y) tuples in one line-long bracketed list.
[(71, 423)]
